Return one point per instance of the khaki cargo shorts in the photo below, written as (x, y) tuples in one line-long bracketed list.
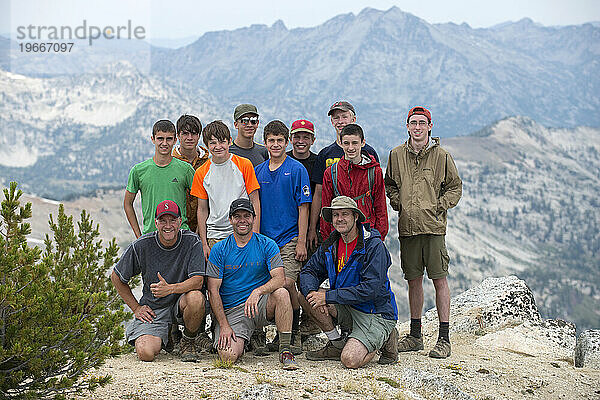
[(421, 252), (291, 266)]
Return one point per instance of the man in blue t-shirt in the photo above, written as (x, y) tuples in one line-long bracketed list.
[(245, 281), (285, 200), (342, 113)]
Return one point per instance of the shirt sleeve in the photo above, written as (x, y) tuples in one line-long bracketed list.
[(128, 265), (198, 182), (272, 255), (248, 173), (303, 194), (319, 169), (196, 265), (133, 182)]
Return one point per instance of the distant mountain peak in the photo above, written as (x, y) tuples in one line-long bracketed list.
[(279, 25)]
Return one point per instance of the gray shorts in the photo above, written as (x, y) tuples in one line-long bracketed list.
[(161, 323), (372, 330), (159, 326), (241, 325)]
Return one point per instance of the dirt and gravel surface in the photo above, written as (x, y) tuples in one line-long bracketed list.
[(471, 372)]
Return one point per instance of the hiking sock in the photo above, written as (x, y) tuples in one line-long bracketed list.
[(189, 334), (444, 331), (296, 320), (333, 335), (415, 327), (285, 341)]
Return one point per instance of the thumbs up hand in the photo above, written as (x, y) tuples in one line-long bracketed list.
[(161, 288)]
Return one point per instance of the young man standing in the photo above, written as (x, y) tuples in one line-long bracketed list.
[(245, 120), (341, 113), (285, 201), (302, 136), (171, 263), (189, 129), (245, 279), (224, 178), (356, 262), (159, 178), (358, 176), (422, 183)]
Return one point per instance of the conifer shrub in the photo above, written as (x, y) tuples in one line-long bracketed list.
[(60, 316)]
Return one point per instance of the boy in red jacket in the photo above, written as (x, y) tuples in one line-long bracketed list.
[(357, 175)]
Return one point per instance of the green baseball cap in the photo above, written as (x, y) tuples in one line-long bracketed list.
[(243, 109)]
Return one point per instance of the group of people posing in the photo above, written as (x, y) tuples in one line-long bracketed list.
[(253, 235)]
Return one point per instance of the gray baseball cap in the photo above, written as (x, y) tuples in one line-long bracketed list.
[(341, 203)]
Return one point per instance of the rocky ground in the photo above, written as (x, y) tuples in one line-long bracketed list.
[(472, 372)]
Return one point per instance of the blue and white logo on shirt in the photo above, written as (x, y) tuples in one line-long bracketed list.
[(306, 190)]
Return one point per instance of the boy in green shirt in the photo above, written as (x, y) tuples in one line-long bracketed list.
[(159, 178)]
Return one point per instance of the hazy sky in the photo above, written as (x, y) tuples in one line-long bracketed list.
[(184, 18)]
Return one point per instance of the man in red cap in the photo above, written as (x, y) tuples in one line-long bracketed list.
[(171, 262), (422, 183)]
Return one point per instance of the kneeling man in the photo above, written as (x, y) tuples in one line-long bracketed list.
[(171, 263), (245, 282), (360, 298)]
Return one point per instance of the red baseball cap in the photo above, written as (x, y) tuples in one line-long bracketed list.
[(419, 110), (167, 207), (302, 125)]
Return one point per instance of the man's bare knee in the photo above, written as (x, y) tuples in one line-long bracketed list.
[(350, 360), (229, 355), (194, 299), (145, 354), (147, 347), (281, 297), (441, 283)]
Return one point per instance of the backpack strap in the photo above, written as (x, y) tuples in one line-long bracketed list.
[(334, 174)]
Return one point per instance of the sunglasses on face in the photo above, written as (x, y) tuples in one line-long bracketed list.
[(249, 120)]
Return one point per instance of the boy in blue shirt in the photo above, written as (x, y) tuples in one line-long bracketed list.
[(285, 191)]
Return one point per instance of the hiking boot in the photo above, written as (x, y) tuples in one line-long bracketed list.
[(203, 343), (286, 358), (329, 352), (441, 349), (389, 350), (187, 349), (258, 343), (296, 345), (410, 343)]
